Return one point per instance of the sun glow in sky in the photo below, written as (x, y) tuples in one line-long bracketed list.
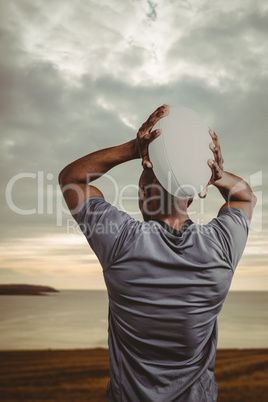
[(77, 77)]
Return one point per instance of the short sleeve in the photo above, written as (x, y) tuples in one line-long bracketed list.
[(105, 228), (230, 231)]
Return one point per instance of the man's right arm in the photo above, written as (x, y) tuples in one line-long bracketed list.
[(235, 191)]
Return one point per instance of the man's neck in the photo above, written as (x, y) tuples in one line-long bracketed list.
[(175, 221)]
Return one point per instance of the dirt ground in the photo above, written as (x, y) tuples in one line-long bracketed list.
[(82, 375)]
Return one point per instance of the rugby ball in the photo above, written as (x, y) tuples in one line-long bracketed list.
[(180, 154)]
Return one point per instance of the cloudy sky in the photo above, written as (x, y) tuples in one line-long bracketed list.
[(77, 76)]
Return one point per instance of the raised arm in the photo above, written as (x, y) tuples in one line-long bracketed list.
[(76, 176), (235, 191)]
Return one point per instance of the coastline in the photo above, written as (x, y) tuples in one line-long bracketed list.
[(25, 290), (82, 375)]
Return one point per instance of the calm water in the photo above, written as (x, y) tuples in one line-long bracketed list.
[(78, 319)]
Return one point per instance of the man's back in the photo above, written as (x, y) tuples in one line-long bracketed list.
[(165, 292)]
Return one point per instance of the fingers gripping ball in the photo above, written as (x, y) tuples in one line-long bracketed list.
[(179, 156)]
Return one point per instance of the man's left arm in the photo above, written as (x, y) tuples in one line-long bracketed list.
[(74, 179), (76, 176)]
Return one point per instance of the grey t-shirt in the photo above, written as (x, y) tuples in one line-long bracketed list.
[(165, 293)]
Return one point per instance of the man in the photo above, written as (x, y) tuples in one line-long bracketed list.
[(166, 277)]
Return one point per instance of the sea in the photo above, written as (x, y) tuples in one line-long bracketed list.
[(78, 319)]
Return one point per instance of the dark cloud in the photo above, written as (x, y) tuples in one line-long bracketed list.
[(225, 42), (152, 14)]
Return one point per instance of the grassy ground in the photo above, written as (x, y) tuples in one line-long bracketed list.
[(82, 375)]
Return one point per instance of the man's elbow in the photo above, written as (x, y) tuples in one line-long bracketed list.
[(64, 177), (254, 199), (61, 177)]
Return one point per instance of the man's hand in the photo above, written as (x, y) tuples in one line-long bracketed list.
[(145, 136), (215, 164), (235, 191)]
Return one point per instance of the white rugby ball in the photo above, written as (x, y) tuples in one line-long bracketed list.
[(180, 154)]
